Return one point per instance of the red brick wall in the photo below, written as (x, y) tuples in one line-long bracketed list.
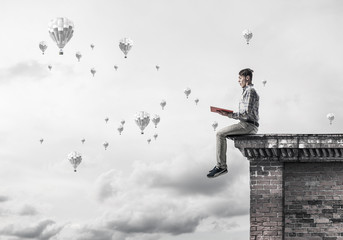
[(313, 204), (266, 200)]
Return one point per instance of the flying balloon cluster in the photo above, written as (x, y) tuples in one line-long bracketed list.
[(61, 31)]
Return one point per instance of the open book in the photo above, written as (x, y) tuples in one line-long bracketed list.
[(216, 109)]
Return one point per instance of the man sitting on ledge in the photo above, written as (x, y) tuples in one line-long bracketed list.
[(247, 115)]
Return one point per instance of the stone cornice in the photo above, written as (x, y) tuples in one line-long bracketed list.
[(291, 147)]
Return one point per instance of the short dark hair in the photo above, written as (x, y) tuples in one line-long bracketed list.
[(246, 72)]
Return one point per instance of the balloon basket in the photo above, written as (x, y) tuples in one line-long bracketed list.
[(74, 170), (60, 52)]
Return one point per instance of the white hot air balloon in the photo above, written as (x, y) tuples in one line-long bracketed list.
[(120, 129), (92, 46), (187, 91), (163, 103), (61, 31), (214, 125), (43, 46), (105, 144), (149, 140), (331, 117), (41, 140), (83, 140), (264, 83), (125, 45), (75, 159), (155, 135), (78, 56), (196, 101), (142, 119), (157, 67), (247, 34), (93, 71), (116, 67), (49, 66), (156, 119), (122, 122), (106, 119)]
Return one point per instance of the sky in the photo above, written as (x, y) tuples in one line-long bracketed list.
[(158, 191)]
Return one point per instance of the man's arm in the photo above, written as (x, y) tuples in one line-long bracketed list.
[(226, 114)]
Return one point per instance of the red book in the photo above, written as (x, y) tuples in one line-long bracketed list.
[(216, 109)]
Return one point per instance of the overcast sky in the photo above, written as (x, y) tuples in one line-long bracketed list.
[(157, 191)]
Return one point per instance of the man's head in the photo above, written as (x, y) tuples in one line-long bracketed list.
[(245, 77)]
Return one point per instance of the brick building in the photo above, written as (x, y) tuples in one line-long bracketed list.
[(296, 186)]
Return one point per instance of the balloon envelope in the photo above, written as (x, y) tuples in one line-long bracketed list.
[(163, 104), (43, 46), (247, 34), (75, 159), (142, 120), (61, 30), (125, 45)]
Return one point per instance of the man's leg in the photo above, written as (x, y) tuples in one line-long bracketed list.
[(221, 145)]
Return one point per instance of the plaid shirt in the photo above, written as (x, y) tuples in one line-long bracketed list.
[(248, 105)]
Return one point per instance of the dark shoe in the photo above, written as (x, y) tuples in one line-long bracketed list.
[(215, 172), (212, 169)]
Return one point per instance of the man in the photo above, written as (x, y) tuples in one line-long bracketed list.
[(247, 115)]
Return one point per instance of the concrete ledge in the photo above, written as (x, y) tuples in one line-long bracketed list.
[(291, 147)]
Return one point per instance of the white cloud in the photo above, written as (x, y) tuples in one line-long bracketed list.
[(42, 230), (165, 197)]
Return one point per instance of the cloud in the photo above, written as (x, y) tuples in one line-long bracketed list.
[(87, 233), (186, 175), (171, 196), (32, 69), (4, 198), (28, 210), (43, 230), (162, 218), (27, 69)]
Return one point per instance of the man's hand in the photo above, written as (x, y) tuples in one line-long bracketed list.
[(227, 114)]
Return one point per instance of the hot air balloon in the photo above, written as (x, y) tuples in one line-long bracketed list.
[(92, 46), (75, 159), (331, 117), (125, 45), (163, 104), (155, 135), (157, 67), (83, 140), (142, 119), (122, 122), (105, 144), (106, 119), (196, 101), (264, 83), (149, 140), (93, 71), (43, 46), (214, 125), (78, 56), (41, 140), (120, 129), (247, 34), (156, 119), (49, 66), (187, 91), (61, 31), (116, 67)]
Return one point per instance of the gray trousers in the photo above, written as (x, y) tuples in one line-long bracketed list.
[(235, 129)]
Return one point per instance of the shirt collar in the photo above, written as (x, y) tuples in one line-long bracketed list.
[(250, 85)]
